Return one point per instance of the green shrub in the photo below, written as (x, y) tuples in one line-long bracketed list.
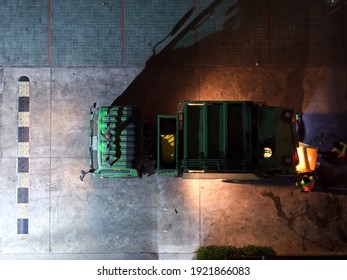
[(214, 252), (257, 251)]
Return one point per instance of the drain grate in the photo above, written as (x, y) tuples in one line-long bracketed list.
[(23, 161)]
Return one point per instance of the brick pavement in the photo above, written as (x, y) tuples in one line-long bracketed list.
[(123, 32)]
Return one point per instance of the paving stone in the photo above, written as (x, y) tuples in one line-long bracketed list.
[(233, 33)]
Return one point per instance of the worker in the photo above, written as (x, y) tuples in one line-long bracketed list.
[(339, 149), (306, 183)]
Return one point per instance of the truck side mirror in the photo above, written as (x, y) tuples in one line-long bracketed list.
[(92, 107), (83, 173)]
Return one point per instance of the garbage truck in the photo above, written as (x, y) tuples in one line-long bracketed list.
[(230, 140)]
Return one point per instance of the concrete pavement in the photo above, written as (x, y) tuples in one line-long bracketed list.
[(149, 218)]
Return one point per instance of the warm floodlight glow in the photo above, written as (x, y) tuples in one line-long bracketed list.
[(307, 158)]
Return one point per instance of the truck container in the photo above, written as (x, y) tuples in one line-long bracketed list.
[(233, 140)]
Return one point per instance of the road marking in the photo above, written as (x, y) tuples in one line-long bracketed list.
[(23, 119), (23, 160)]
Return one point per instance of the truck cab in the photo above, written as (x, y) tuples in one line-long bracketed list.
[(115, 142)]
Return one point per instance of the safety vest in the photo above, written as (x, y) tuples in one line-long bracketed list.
[(309, 185), (340, 153)]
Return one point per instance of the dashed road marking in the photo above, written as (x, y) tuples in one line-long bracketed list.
[(23, 149), (23, 119), (23, 157)]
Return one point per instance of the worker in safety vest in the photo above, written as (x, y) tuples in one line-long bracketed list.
[(306, 183), (339, 149)]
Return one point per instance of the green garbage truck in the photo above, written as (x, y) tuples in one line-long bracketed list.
[(206, 139)]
